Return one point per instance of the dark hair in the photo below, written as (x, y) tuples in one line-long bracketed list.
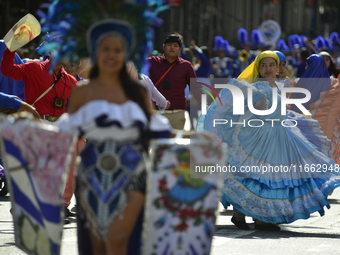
[(333, 69), (304, 54), (173, 38), (134, 91)]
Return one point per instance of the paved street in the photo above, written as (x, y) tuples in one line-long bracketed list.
[(312, 236)]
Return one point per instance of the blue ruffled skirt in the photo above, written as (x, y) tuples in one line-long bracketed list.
[(281, 171)]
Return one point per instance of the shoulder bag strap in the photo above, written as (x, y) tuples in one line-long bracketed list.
[(165, 74), (47, 90)]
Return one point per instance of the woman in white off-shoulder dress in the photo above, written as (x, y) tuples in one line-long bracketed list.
[(114, 113)]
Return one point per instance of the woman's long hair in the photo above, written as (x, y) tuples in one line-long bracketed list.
[(332, 69)]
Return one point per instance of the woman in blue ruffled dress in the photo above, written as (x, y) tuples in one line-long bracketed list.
[(113, 112), (280, 165)]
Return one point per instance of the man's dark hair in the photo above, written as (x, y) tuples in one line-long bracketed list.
[(173, 38)]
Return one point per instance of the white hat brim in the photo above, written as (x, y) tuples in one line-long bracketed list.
[(30, 28)]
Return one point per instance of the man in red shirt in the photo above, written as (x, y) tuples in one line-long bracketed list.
[(171, 74), (38, 79), (51, 105)]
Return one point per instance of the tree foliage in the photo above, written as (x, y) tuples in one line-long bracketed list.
[(332, 4)]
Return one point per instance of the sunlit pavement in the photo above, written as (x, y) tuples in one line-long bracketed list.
[(314, 235)]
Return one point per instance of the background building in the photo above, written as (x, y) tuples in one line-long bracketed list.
[(202, 20)]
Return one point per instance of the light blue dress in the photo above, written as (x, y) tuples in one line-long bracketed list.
[(280, 171)]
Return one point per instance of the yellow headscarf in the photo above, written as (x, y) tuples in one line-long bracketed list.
[(251, 73)]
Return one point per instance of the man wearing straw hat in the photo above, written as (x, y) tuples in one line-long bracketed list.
[(47, 92)]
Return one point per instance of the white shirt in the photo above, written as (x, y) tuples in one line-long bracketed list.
[(153, 92)]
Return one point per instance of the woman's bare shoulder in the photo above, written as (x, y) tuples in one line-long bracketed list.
[(83, 87), (80, 95)]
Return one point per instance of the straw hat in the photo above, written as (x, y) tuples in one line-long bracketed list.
[(24, 31)]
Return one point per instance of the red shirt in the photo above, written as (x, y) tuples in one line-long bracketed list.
[(179, 76), (38, 79)]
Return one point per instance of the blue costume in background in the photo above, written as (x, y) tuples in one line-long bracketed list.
[(8, 85), (204, 69), (295, 189), (315, 78), (300, 68), (224, 67)]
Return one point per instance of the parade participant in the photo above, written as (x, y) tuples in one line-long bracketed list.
[(326, 108), (113, 113), (203, 72), (334, 38), (171, 74), (222, 66), (245, 55), (279, 196), (300, 65), (256, 40), (330, 64), (72, 68), (47, 92), (203, 68), (282, 79), (282, 66), (315, 78), (326, 111), (111, 96)]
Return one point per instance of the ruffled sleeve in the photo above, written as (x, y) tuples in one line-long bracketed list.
[(100, 114)]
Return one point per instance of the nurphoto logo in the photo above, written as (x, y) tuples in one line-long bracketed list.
[(238, 100)]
